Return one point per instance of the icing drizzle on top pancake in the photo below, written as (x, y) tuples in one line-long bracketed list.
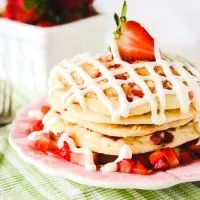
[(187, 81)]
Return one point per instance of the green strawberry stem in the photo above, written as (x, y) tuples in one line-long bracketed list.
[(124, 10), (117, 20), (120, 21)]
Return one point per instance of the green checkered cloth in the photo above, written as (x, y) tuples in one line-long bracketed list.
[(19, 180)]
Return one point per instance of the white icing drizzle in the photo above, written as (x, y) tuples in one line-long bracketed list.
[(125, 153), (78, 91), (34, 134), (51, 118), (35, 114), (89, 162)]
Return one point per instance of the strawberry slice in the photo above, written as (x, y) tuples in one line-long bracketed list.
[(65, 152), (185, 157), (126, 166), (133, 41), (37, 126), (161, 165), (45, 24), (45, 109), (139, 168), (156, 156), (195, 149), (171, 157), (44, 143)]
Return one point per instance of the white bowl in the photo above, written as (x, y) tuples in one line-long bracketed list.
[(28, 52)]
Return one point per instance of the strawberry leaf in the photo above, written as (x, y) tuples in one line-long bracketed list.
[(30, 3), (40, 4), (116, 18), (124, 11)]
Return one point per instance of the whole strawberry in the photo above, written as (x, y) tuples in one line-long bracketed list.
[(24, 14), (133, 41), (69, 4), (9, 11)]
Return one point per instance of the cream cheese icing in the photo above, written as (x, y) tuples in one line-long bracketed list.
[(125, 153), (35, 114), (182, 84), (89, 161), (32, 136)]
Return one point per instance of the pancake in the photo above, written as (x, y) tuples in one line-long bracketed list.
[(129, 130), (93, 104), (114, 88), (100, 143), (75, 112)]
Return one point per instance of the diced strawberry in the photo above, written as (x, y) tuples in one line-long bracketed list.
[(195, 149), (168, 137), (191, 95), (171, 157), (37, 126), (126, 166), (156, 139), (45, 109), (44, 143), (40, 146), (45, 24), (161, 165), (177, 151), (139, 168), (65, 152), (121, 76), (156, 156), (143, 158), (137, 92), (134, 42), (185, 157)]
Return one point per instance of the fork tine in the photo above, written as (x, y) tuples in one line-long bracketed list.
[(2, 94)]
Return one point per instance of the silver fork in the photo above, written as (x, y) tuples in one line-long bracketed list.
[(5, 102)]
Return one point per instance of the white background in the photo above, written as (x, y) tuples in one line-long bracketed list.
[(175, 24)]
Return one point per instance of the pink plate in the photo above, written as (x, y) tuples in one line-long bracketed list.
[(57, 167)]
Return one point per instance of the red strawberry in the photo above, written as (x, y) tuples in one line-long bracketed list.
[(41, 146), (45, 109), (65, 152), (25, 15), (37, 126), (156, 156), (195, 149), (44, 143), (126, 166), (185, 157), (161, 164), (133, 41), (156, 139), (191, 95), (139, 168), (71, 4), (45, 24), (171, 157), (9, 11)]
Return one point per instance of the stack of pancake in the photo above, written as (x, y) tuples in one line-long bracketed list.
[(105, 104)]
